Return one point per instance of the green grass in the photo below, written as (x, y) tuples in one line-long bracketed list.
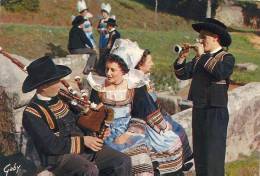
[(33, 41), (244, 51), (246, 166)]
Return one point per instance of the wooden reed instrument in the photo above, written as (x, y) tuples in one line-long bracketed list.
[(14, 60), (105, 125)]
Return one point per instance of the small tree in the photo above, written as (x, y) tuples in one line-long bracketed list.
[(208, 14), (31, 5), (155, 11)]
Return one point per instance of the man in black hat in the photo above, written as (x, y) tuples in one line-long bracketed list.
[(113, 35), (62, 146), (209, 70), (80, 44)]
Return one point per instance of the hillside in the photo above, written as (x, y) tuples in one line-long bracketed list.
[(130, 14), (32, 34)]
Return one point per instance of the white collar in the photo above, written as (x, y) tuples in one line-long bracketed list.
[(113, 29), (216, 50), (41, 97), (135, 79)]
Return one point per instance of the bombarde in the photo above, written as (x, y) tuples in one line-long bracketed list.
[(178, 48)]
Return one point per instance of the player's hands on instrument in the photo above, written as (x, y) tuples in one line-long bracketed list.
[(184, 52), (106, 133), (94, 143)]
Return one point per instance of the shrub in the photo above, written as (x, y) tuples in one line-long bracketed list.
[(21, 5)]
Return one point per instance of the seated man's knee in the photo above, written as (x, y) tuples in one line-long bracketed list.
[(77, 164), (90, 170), (125, 161)]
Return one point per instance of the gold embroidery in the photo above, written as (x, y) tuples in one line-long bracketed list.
[(60, 109), (211, 63), (48, 117), (33, 111)]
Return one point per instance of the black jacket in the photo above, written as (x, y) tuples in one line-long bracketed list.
[(210, 78), (113, 35), (78, 39), (52, 128)]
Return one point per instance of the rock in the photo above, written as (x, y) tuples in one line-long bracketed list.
[(169, 102), (183, 83), (8, 143), (244, 121), (76, 62), (246, 66), (12, 78), (185, 104), (230, 15)]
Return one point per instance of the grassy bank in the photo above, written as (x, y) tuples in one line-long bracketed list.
[(245, 166), (33, 41)]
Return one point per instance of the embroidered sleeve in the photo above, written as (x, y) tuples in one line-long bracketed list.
[(77, 145), (184, 70), (146, 109), (221, 66), (156, 121), (32, 111)]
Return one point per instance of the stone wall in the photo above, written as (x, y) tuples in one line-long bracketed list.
[(76, 62)]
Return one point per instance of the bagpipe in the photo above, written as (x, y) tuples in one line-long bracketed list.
[(95, 118)]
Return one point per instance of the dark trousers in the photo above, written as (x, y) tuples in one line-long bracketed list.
[(108, 162), (101, 66), (209, 130), (92, 60)]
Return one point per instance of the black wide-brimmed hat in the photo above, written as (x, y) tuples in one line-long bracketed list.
[(111, 21), (216, 27), (43, 71), (78, 20)]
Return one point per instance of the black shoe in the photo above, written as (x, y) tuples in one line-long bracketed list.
[(187, 166), (156, 168)]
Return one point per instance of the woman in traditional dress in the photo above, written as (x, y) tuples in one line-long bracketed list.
[(145, 65), (103, 38), (139, 129)]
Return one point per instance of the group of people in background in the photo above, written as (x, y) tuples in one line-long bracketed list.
[(81, 39), (143, 139)]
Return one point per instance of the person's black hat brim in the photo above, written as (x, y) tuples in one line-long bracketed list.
[(111, 22), (43, 71), (78, 20), (216, 27)]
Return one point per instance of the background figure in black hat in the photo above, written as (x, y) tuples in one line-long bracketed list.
[(209, 70), (50, 122), (80, 44), (113, 35)]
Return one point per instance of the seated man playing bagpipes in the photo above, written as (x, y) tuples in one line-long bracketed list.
[(51, 123)]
